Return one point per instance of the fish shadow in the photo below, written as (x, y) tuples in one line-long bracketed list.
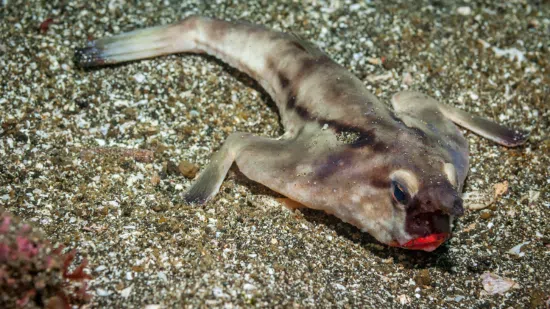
[(410, 259)]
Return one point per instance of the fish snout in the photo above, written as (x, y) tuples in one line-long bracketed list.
[(443, 198), (448, 201), (457, 208), (431, 210)]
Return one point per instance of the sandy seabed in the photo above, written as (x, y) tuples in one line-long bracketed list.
[(124, 213)]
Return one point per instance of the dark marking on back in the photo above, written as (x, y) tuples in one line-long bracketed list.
[(307, 66), (298, 45), (304, 113), (291, 102), (419, 132), (366, 138), (333, 163), (310, 63), (382, 179), (380, 182), (217, 30), (283, 80)]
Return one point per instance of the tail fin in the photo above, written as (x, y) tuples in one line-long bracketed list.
[(139, 44)]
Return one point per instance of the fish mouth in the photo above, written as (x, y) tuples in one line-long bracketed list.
[(425, 243)]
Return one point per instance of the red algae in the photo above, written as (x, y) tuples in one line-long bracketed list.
[(33, 273)]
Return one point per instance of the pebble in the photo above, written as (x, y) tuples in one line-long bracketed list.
[(155, 179), (126, 292), (516, 250), (464, 10), (423, 278), (139, 77), (407, 79), (485, 214), (103, 293), (494, 284), (188, 169)]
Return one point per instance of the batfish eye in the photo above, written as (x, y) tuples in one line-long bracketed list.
[(399, 192)]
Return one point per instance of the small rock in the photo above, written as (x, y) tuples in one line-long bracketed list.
[(248, 287), (469, 228), (390, 64), (102, 292), (500, 188), (476, 200), (407, 79), (404, 299), (375, 61), (155, 179), (533, 196), (533, 24), (170, 168), (140, 78), (494, 284), (485, 214), (162, 276), (126, 292), (464, 10), (423, 278), (381, 77), (188, 169), (218, 293), (340, 287), (516, 250), (388, 260)]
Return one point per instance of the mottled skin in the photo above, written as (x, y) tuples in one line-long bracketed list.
[(396, 174)]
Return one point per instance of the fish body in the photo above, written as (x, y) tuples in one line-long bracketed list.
[(394, 173)]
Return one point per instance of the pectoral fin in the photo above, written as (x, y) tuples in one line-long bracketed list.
[(423, 107), (486, 128), (286, 166), (237, 144)]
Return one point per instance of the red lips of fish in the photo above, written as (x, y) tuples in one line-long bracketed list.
[(426, 243)]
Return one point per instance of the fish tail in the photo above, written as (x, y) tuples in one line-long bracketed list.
[(134, 45)]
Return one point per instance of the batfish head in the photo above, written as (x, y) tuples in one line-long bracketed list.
[(425, 206), (406, 199), (399, 184), (405, 193)]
